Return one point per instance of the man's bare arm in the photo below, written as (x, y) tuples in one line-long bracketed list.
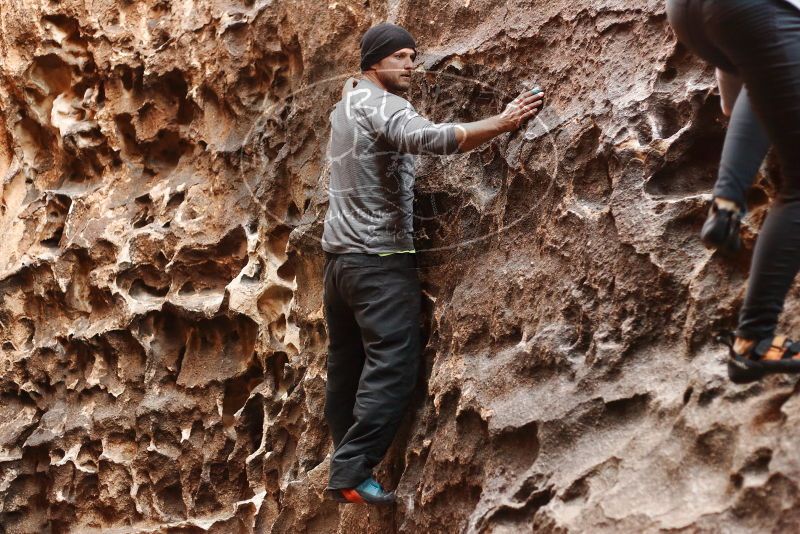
[(472, 134)]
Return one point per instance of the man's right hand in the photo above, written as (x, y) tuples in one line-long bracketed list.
[(472, 134), (519, 110)]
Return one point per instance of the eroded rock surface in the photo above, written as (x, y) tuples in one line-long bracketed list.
[(162, 345)]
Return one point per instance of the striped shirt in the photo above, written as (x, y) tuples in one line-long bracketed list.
[(374, 137)]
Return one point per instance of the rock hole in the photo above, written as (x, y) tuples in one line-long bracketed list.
[(175, 200), (186, 288), (642, 129), (693, 173), (287, 271), (101, 94), (705, 398), (694, 170), (56, 455), (68, 25), (253, 422), (179, 359), (144, 214), (57, 208), (159, 260), (55, 239), (277, 328), (165, 151), (292, 214), (255, 275), (89, 454), (668, 74), (127, 133), (277, 365), (237, 390), (668, 118), (273, 301), (52, 73), (252, 226), (127, 78), (213, 266), (139, 288), (514, 515), (577, 490), (518, 447), (278, 240), (757, 463), (772, 410), (171, 500), (757, 197), (675, 66), (142, 221)]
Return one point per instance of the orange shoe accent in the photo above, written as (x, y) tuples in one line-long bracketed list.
[(353, 496), (777, 349)]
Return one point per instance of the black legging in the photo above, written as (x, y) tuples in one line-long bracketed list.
[(759, 40), (746, 145)]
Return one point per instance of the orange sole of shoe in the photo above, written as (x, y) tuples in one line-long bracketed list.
[(353, 496)]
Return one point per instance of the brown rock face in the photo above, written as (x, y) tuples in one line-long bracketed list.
[(162, 344)]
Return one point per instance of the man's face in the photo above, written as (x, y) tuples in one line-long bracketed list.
[(394, 71)]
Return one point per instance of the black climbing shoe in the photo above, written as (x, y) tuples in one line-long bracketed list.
[(721, 230), (759, 360), (368, 492)]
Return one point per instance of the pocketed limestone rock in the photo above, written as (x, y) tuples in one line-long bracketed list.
[(162, 336)]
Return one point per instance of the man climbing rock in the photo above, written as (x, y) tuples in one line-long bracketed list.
[(371, 288)]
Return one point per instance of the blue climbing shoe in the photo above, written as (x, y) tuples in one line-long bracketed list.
[(368, 492)]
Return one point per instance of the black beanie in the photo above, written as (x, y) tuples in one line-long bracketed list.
[(382, 40)]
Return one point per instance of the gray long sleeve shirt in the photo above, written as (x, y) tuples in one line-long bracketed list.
[(374, 135)]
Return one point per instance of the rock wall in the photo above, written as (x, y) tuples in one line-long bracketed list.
[(162, 344)]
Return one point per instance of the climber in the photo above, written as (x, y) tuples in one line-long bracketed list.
[(758, 41), (372, 295)]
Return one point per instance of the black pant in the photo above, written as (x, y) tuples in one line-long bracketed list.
[(372, 307), (746, 146), (760, 41)]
